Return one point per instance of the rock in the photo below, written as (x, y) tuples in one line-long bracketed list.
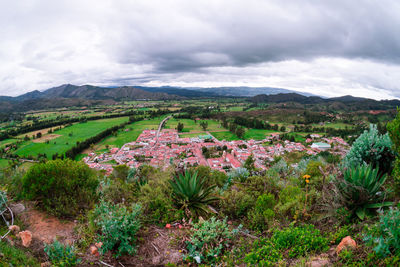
[(26, 237), (14, 228), (45, 264), (319, 263), (346, 242), (94, 250), (168, 226), (99, 244), (17, 208)]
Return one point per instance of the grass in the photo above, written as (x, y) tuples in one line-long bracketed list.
[(191, 126), (226, 135), (257, 134), (68, 137), (7, 141), (3, 163), (12, 256)]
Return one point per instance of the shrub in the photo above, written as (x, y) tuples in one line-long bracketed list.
[(120, 172), (119, 226), (371, 148), (263, 253), (191, 194), (313, 168), (3, 200), (262, 214), (208, 240), (291, 200), (13, 256), (61, 255), (360, 189), (298, 241), (236, 203), (211, 177), (62, 187), (385, 235), (239, 174)]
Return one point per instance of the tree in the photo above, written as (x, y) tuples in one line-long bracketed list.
[(204, 125), (180, 127), (283, 129), (240, 132), (39, 135), (249, 163)]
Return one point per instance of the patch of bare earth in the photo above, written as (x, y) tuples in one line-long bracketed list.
[(45, 138), (156, 247), (46, 228)]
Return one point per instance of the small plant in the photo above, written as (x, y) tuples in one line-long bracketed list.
[(191, 194), (61, 255), (385, 235), (3, 200), (360, 189), (298, 241), (263, 253), (371, 148), (239, 174), (119, 226), (209, 240), (263, 213)]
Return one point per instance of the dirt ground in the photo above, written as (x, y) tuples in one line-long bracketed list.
[(46, 137)]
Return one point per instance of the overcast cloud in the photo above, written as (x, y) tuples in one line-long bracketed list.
[(329, 48)]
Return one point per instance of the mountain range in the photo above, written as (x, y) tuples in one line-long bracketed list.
[(73, 95)]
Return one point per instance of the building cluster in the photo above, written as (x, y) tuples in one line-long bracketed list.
[(168, 148)]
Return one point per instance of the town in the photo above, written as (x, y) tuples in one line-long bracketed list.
[(166, 148)]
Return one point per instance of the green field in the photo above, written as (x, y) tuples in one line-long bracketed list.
[(257, 134), (226, 135), (129, 133), (192, 126), (7, 141), (3, 163), (68, 137)]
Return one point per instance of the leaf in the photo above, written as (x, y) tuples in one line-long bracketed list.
[(360, 212)]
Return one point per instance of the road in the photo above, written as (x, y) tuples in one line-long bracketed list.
[(160, 127)]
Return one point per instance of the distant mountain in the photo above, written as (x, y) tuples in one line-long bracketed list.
[(350, 102), (245, 91)]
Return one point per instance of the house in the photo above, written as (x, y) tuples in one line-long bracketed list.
[(321, 146)]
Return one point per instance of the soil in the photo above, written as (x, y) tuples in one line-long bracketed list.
[(45, 138)]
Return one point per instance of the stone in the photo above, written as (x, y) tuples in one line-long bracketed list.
[(26, 237), (45, 264), (94, 250), (99, 244), (14, 228), (17, 208), (346, 242), (319, 263)]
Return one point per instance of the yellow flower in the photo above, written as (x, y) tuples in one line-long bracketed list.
[(306, 176), (307, 181)]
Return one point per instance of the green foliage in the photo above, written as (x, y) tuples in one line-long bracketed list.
[(3, 200), (119, 226), (291, 200), (209, 239), (337, 236), (263, 253), (262, 214), (292, 242), (393, 128), (249, 163), (298, 241), (385, 235), (121, 172), (64, 188), (360, 189), (371, 148), (191, 194), (13, 256), (211, 177), (239, 174), (313, 168), (61, 255), (236, 203)]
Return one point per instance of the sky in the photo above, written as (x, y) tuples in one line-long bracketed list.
[(328, 48)]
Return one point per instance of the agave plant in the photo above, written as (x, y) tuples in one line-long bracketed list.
[(360, 189), (191, 193)]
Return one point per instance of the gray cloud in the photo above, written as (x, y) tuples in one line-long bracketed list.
[(327, 47)]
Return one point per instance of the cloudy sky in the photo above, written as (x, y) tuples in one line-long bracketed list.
[(328, 48)]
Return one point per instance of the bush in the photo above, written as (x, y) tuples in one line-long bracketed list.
[(3, 200), (13, 256), (239, 174), (298, 241), (262, 214), (360, 189), (209, 239), (385, 235), (119, 226), (263, 253), (61, 255), (291, 200), (236, 203), (64, 188), (211, 177), (371, 148), (191, 194)]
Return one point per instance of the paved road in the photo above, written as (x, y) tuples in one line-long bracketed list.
[(160, 127)]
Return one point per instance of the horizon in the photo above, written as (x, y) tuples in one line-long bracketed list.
[(317, 48)]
